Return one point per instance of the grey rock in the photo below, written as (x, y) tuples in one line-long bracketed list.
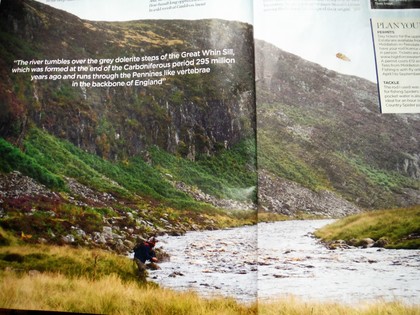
[(99, 238), (107, 232), (366, 242), (80, 233), (68, 239), (382, 242)]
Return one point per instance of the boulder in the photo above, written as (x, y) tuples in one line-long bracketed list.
[(107, 232), (382, 242), (68, 239), (99, 238), (338, 244), (366, 243)]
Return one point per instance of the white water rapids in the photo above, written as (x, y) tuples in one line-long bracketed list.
[(287, 261)]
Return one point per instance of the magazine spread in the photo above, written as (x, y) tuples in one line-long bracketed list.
[(208, 156)]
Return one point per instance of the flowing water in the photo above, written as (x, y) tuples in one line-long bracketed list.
[(222, 262), (287, 261)]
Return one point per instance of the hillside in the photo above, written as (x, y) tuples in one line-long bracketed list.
[(323, 146), (99, 167)]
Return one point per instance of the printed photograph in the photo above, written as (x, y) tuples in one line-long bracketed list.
[(128, 163), (203, 157)]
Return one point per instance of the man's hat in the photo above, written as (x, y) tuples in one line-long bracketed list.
[(152, 240)]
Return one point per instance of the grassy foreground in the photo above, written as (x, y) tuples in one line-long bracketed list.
[(62, 278), (294, 306), (398, 228), (110, 295), (53, 278), (67, 279)]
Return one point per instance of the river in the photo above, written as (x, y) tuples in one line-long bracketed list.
[(287, 261)]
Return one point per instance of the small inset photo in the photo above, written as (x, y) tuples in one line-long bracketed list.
[(395, 4)]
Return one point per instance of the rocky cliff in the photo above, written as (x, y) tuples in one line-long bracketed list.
[(188, 115)]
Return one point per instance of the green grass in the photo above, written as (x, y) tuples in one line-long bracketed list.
[(384, 179), (50, 218), (282, 158), (146, 190), (230, 174), (400, 227), (64, 159), (14, 159), (67, 261)]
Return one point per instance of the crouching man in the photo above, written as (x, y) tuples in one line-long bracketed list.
[(143, 252)]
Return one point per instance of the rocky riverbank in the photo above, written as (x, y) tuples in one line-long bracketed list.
[(356, 243), (84, 217)]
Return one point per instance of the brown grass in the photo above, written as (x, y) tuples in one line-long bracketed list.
[(110, 295), (294, 306)]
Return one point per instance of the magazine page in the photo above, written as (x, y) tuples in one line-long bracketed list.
[(128, 164), (330, 159)]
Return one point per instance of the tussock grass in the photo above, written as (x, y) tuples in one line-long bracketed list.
[(234, 218), (294, 306), (271, 217), (400, 227), (109, 295), (7, 239), (70, 262)]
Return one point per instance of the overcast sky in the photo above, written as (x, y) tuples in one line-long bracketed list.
[(319, 35)]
